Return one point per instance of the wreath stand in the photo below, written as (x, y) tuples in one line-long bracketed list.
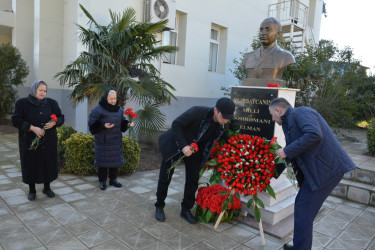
[(260, 222)]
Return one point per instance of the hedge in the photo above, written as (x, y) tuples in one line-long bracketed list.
[(80, 155), (371, 136), (63, 133)]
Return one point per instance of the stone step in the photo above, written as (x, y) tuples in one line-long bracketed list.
[(358, 185), (355, 191), (363, 174), (282, 191), (272, 214)]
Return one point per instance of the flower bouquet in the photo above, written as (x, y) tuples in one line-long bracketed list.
[(37, 141), (212, 200), (193, 147), (131, 115)]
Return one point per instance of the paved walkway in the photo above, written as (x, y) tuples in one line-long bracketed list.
[(83, 217)]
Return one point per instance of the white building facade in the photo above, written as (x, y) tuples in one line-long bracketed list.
[(209, 34)]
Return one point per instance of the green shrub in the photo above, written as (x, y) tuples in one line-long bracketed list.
[(371, 136), (132, 153), (80, 155), (63, 133)]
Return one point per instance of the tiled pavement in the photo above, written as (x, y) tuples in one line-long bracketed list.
[(83, 217)]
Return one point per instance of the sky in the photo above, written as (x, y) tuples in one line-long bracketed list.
[(352, 24)]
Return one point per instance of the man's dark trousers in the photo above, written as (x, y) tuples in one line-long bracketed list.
[(306, 207), (192, 168)]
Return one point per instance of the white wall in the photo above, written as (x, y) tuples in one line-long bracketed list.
[(315, 17), (48, 40), (5, 4), (242, 20), (99, 9), (23, 34)]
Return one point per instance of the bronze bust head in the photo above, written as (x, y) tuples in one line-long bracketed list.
[(267, 63)]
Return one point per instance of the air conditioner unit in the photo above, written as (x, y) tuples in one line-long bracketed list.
[(158, 10)]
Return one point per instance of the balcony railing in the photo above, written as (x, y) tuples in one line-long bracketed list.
[(290, 12)]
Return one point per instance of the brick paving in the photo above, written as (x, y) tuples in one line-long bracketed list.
[(83, 217)]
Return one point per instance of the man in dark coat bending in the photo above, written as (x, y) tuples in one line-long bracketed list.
[(202, 125), (318, 160)]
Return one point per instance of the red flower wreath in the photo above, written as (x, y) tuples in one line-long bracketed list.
[(246, 164)]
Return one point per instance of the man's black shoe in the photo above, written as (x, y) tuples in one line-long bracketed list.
[(288, 247), (31, 196), (102, 185), (48, 192), (159, 214), (115, 183), (186, 214)]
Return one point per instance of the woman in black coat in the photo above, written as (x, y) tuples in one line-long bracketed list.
[(106, 123), (32, 117)]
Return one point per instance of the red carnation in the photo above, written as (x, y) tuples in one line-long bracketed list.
[(54, 117), (193, 147), (37, 141)]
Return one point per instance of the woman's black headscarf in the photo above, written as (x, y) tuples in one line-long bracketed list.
[(104, 102), (32, 96)]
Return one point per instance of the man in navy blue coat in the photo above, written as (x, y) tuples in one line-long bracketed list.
[(318, 160), (202, 125)]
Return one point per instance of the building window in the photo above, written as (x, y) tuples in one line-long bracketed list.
[(177, 38), (218, 46), (214, 50), (170, 39)]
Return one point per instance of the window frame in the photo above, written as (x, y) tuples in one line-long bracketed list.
[(211, 67)]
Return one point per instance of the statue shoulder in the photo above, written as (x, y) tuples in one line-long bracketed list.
[(287, 55), (250, 56), (252, 53)]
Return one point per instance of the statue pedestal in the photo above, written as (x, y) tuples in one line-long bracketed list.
[(252, 117)]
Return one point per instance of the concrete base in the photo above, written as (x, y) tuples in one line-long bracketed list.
[(274, 214), (275, 210), (280, 230), (282, 191)]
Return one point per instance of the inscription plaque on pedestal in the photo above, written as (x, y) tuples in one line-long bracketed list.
[(252, 115)]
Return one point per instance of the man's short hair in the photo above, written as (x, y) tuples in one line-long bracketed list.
[(280, 103), (274, 21)]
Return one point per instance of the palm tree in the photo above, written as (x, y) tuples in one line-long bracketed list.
[(119, 56)]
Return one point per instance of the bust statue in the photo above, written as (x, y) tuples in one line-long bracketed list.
[(266, 64)]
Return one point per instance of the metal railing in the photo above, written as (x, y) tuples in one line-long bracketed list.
[(293, 14), (290, 12)]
